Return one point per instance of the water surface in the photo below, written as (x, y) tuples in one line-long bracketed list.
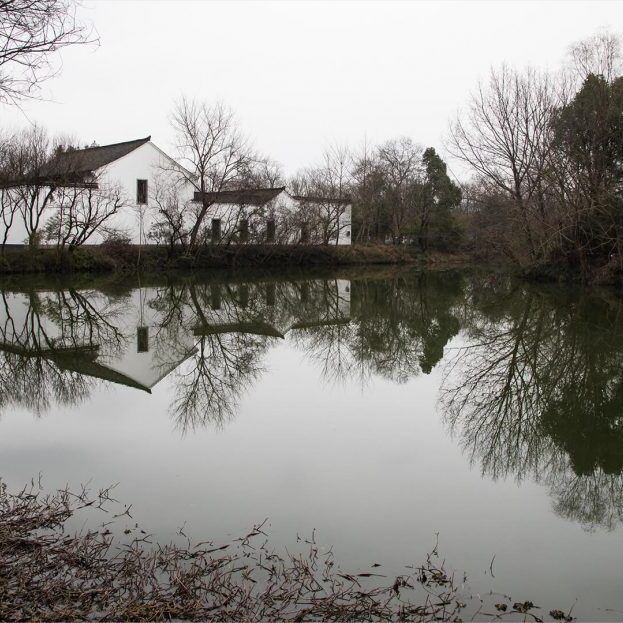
[(378, 408)]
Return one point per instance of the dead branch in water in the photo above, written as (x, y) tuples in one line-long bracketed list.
[(48, 574)]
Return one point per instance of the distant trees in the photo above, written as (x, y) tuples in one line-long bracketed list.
[(31, 34), (400, 193)]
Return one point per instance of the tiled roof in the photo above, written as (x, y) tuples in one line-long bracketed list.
[(81, 161), (251, 196), (312, 199)]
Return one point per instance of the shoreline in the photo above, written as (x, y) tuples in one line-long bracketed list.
[(132, 259)]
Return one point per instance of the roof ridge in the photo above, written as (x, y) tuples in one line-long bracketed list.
[(240, 190), (136, 140)]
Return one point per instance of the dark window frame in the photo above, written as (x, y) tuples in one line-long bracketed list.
[(271, 230), (216, 229), (142, 339), (142, 191), (244, 230)]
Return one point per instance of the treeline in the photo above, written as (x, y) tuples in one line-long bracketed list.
[(546, 153), (401, 193)]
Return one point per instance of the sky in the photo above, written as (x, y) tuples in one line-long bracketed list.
[(301, 76)]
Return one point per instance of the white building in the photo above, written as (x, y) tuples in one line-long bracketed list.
[(273, 215), (135, 174), (131, 168)]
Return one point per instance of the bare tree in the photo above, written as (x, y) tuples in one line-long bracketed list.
[(27, 189), (324, 190), (368, 183), (262, 172), (401, 163), (212, 149), (600, 55), (82, 210), (504, 136), (169, 224), (8, 203), (31, 33)]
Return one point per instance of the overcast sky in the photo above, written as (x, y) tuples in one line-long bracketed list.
[(300, 75)]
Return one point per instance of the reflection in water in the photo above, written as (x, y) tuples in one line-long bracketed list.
[(211, 336), (50, 342), (533, 386), (537, 392)]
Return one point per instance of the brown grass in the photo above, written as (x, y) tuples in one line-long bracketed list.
[(48, 574)]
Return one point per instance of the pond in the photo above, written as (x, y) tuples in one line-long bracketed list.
[(383, 409)]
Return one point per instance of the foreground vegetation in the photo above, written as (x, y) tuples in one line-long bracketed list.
[(48, 574)]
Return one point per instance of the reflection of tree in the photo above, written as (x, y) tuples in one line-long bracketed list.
[(233, 325), (209, 387), (38, 338), (226, 359), (399, 327), (538, 391), (395, 328)]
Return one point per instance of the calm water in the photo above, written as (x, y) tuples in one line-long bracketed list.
[(378, 408)]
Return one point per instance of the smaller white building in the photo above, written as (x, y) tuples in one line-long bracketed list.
[(274, 216)]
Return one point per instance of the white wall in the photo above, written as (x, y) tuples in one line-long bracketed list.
[(149, 163), (345, 230)]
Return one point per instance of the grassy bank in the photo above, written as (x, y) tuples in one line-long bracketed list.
[(129, 258)]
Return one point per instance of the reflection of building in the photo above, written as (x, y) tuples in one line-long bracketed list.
[(139, 339), (277, 308), (89, 336)]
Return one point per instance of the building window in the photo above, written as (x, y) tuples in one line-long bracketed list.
[(244, 230), (270, 231), (216, 229), (142, 339), (141, 191), (348, 234)]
